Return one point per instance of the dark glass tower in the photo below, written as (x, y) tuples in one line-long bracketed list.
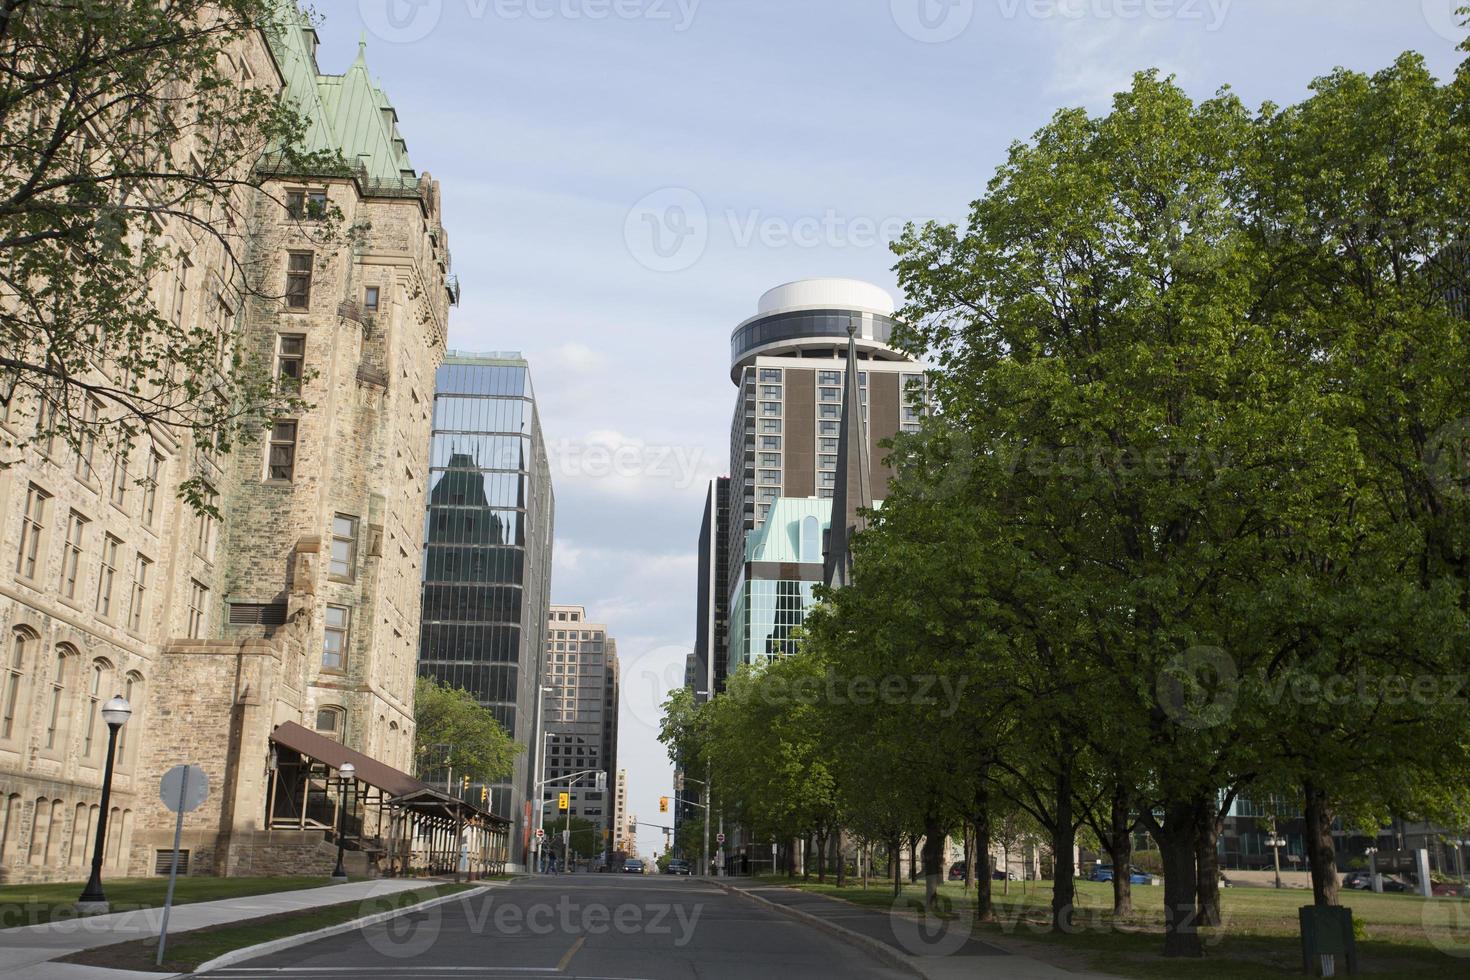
[(487, 563)]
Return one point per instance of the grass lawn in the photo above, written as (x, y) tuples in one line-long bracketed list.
[(26, 905), (187, 950), (1406, 936)]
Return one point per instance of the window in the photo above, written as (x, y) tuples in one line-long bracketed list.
[(150, 488), (181, 291), (770, 442), (71, 554), (827, 428), (770, 408), (298, 280), (344, 546), (107, 576), (141, 568), (334, 649), (119, 491), (827, 445), (830, 411), (771, 374), (370, 299), (204, 534), (831, 394), (93, 706), (827, 462), (290, 359), (329, 719), (282, 461), (198, 604), (770, 459), (306, 205), (770, 391), (87, 443), (15, 669), (829, 377), (33, 523), (827, 480), (770, 476), (132, 691), (58, 695), (771, 425)]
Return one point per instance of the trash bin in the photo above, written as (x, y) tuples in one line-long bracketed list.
[(1327, 930)]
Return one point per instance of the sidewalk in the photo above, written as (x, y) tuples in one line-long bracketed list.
[(25, 951), (903, 940)]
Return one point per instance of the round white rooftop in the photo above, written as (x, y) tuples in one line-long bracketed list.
[(835, 294)]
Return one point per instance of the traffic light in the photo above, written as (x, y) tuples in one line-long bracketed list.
[(663, 804), (484, 795), (563, 802), (464, 783)]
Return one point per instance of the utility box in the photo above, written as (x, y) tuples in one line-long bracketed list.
[(1327, 931)]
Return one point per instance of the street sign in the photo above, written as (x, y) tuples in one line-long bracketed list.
[(184, 789), (719, 838), (540, 834)]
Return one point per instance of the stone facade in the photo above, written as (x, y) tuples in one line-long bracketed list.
[(301, 602)]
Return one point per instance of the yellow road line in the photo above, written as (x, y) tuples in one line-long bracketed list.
[(566, 960)]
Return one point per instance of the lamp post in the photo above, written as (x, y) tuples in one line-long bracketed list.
[(346, 775), (1276, 844), (116, 713), (538, 770)]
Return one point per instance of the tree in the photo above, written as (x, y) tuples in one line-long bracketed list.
[(450, 718), (132, 141)]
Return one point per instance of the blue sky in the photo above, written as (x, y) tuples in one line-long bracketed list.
[(622, 179)]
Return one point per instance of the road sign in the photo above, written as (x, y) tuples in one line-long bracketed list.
[(719, 838), (184, 788), (540, 834)]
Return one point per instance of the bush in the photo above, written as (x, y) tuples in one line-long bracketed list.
[(1150, 861)]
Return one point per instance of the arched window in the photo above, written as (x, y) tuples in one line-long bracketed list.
[(54, 841), (81, 833), (65, 657), (40, 830), (9, 827), (22, 642), (92, 706), (811, 540), (329, 719), (133, 691)]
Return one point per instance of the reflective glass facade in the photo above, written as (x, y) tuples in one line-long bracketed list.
[(487, 550), (805, 325), (765, 615)]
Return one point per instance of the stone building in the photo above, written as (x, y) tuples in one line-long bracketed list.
[(300, 603)]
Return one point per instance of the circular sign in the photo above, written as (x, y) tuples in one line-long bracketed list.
[(540, 834), (719, 838), (183, 788)]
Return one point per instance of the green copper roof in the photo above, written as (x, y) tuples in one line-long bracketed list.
[(347, 114)]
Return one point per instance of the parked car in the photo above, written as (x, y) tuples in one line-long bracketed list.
[(678, 866), (957, 871), (633, 866), (999, 875), (1360, 880), (1136, 875)]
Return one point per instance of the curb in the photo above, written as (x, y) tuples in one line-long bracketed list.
[(868, 944), (301, 939)]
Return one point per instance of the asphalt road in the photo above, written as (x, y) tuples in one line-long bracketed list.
[(589, 926)]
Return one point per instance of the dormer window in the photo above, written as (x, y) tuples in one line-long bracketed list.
[(304, 205)]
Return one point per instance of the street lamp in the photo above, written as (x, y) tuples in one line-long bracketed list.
[(116, 713), (1276, 844), (539, 769), (346, 775)]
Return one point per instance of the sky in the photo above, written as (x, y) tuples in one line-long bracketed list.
[(622, 179)]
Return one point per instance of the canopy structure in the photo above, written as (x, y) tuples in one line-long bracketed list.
[(402, 824)]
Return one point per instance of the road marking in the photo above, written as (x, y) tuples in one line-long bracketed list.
[(561, 964)]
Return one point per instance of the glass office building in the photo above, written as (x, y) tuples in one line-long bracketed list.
[(487, 561)]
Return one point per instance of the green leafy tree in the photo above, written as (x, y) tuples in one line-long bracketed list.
[(132, 138), (451, 724)]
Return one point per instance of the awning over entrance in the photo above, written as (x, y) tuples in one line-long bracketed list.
[(394, 782)]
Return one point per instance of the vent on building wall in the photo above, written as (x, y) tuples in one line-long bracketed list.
[(163, 861), (257, 614)]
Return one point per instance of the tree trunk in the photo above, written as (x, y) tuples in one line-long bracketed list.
[(913, 858), (1120, 851), (1176, 845), (1320, 853), (821, 859), (893, 852), (1063, 890), (969, 859), (1207, 861), (839, 858), (935, 836), (984, 907)]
